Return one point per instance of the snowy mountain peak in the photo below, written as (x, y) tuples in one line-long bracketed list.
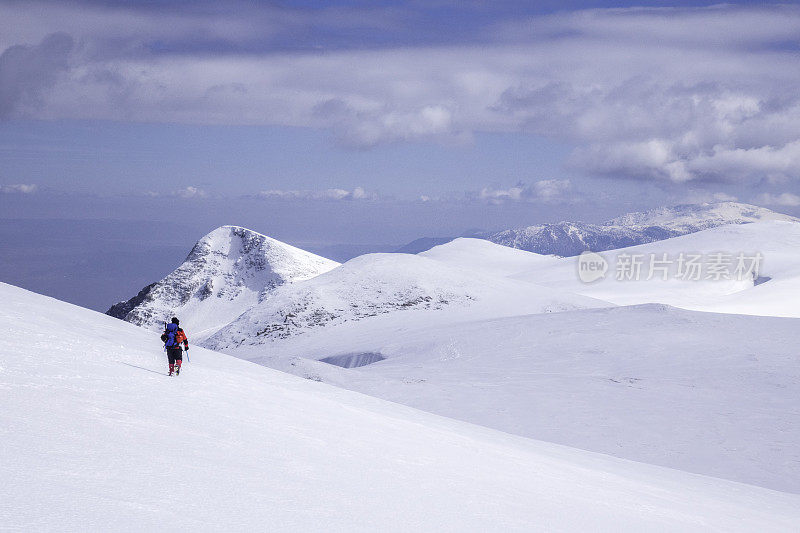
[(699, 216), (572, 238), (384, 287), (249, 252), (227, 271)]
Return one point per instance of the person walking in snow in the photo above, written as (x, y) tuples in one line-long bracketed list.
[(173, 336)]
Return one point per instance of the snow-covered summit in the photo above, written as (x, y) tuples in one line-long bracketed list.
[(375, 285), (486, 257), (227, 272), (690, 218), (571, 238)]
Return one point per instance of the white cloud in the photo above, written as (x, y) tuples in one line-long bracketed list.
[(363, 125), (360, 194), (786, 199), (551, 189), (27, 72), (186, 192), (190, 192), (328, 194), (333, 194), (543, 191), (20, 188), (127, 29), (499, 195), (676, 95), (777, 163)]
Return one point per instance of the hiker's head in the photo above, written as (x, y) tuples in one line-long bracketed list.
[(175, 320)]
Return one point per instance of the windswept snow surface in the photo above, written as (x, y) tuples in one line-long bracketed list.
[(488, 257), (778, 243), (397, 287), (94, 437), (227, 272), (707, 393)]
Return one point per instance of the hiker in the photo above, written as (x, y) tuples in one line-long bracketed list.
[(173, 336)]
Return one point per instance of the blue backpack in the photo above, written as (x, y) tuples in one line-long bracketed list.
[(169, 335)]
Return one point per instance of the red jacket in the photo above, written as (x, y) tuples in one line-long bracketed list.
[(180, 337)]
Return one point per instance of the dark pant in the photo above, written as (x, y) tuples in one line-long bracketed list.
[(174, 354)]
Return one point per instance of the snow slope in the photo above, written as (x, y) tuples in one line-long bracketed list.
[(93, 436), (488, 257), (227, 272), (707, 393), (776, 294), (713, 394), (405, 287)]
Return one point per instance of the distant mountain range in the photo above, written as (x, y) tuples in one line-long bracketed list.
[(234, 274), (567, 239)]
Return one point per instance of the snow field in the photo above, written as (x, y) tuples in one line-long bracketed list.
[(95, 437)]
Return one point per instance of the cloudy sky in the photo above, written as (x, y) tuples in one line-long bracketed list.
[(375, 122)]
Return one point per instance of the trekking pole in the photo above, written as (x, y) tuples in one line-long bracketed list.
[(164, 347)]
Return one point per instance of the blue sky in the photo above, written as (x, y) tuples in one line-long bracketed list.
[(241, 160), (401, 100), (379, 122)]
